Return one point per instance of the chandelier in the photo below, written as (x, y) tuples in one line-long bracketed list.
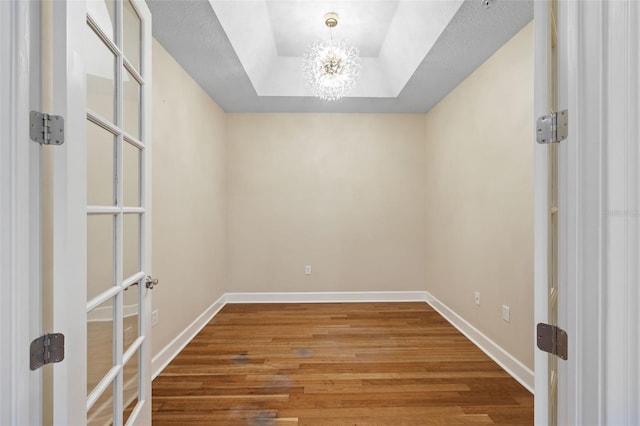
[(331, 68)]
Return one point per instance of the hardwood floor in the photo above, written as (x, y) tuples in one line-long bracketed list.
[(335, 364)]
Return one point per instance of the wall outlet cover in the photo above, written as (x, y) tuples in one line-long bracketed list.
[(506, 313)]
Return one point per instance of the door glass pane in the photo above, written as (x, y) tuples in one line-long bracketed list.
[(132, 33), (131, 248), (101, 68), (131, 104), (102, 411), (100, 166), (103, 13), (130, 381), (100, 254), (131, 175), (114, 179), (131, 308), (99, 343)]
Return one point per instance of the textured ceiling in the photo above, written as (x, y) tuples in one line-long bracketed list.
[(192, 32)]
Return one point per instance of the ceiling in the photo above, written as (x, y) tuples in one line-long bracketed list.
[(247, 54)]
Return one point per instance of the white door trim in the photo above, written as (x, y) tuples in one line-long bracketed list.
[(621, 213), (600, 197), (541, 207), (20, 318)]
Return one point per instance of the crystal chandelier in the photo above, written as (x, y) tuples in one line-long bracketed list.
[(331, 68)]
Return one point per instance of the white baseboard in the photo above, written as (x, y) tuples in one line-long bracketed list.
[(328, 297), (508, 362), (504, 359), (169, 352)]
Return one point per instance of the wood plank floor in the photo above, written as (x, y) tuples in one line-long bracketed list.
[(335, 364)]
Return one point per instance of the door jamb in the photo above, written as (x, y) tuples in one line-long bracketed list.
[(541, 206), (20, 306)]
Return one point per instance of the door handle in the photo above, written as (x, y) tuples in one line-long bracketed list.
[(150, 282), (132, 284)]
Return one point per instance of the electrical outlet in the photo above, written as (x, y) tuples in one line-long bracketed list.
[(506, 313), (307, 270), (154, 318), (477, 298)]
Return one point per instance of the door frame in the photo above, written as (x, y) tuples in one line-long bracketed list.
[(599, 234), (599, 172), (20, 280), (541, 207)]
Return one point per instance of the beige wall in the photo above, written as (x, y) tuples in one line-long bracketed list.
[(479, 190), (189, 199), (341, 192), (441, 202)]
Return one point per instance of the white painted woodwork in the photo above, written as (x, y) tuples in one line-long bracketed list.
[(69, 219), (599, 193), (143, 417), (541, 207), (20, 297), (70, 211)]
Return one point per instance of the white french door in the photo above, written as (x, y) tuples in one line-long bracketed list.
[(101, 212)]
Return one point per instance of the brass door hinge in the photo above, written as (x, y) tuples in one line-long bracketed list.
[(553, 340)]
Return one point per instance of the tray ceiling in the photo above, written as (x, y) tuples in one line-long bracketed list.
[(247, 54)]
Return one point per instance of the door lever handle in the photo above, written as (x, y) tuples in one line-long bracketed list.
[(151, 282), (132, 284)]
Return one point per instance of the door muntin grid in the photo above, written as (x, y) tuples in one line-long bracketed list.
[(116, 214)]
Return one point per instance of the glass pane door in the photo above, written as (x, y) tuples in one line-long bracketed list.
[(118, 346)]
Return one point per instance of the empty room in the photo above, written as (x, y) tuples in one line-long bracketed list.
[(294, 210), (290, 212)]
